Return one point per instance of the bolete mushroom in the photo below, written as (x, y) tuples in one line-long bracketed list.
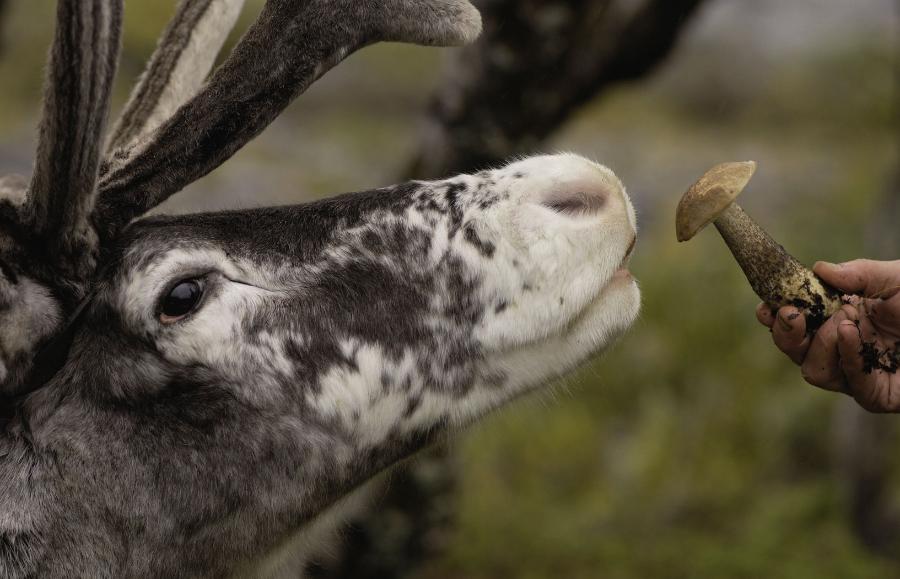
[(774, 274)]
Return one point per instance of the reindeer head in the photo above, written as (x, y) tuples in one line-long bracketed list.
[(217, 380)]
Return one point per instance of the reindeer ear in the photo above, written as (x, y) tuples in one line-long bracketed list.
[(291, 45), (76, 102)]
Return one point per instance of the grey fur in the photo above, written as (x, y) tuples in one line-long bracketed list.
[(54, 235), (196, 457), (145, 457), (124, 452), (46, 234), (80, 76)]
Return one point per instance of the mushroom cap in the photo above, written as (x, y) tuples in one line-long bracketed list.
[(712, 194)]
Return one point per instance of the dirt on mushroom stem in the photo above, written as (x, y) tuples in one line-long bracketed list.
[(776, 277), (774, 274)]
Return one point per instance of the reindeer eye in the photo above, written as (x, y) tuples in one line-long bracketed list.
[(181, 300)]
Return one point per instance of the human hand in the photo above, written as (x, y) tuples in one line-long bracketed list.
[(857, 350)]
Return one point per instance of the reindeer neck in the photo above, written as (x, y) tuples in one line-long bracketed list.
[(31, 502), (114, 486)]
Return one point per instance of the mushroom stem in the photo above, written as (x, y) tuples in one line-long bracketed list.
[(774, 274), (776, 277)]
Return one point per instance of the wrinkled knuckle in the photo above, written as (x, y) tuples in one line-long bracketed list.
[(850, 312), (892, 402)]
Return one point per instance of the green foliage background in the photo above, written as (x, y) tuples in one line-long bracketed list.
[(693, 449)]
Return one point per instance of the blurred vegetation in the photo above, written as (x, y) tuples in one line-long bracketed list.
[(693, 449)]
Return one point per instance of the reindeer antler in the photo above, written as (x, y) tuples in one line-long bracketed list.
[(174, 130), (76, 103), (47, 242), (183, 58), (292, 44)]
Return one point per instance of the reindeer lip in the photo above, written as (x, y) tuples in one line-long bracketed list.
[(623, 265)]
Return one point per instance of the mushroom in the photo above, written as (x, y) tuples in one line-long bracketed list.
[(776, 277)]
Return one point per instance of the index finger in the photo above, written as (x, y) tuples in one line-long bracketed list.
[(869, 278)]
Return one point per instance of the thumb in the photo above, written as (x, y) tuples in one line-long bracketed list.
[(871, 279)]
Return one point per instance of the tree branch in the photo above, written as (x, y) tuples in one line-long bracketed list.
[(537, 62), (3, 12)]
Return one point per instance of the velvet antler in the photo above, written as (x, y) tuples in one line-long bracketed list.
[(76, 104), (183, 58), (48, 246), (177, 127), (292, 44)]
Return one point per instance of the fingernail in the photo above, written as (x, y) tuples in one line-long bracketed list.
[(831, 265)]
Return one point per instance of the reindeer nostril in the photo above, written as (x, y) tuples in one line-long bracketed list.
[(576, 203)]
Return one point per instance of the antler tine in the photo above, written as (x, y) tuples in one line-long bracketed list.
[(292, 44), (183, 58), (76, 102)]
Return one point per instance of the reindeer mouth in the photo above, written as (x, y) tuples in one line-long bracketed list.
[(622, 270), (631, 247)]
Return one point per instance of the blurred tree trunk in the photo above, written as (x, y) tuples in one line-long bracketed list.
[(537, 62), (2, 22), (865, 452), (866, 443)]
